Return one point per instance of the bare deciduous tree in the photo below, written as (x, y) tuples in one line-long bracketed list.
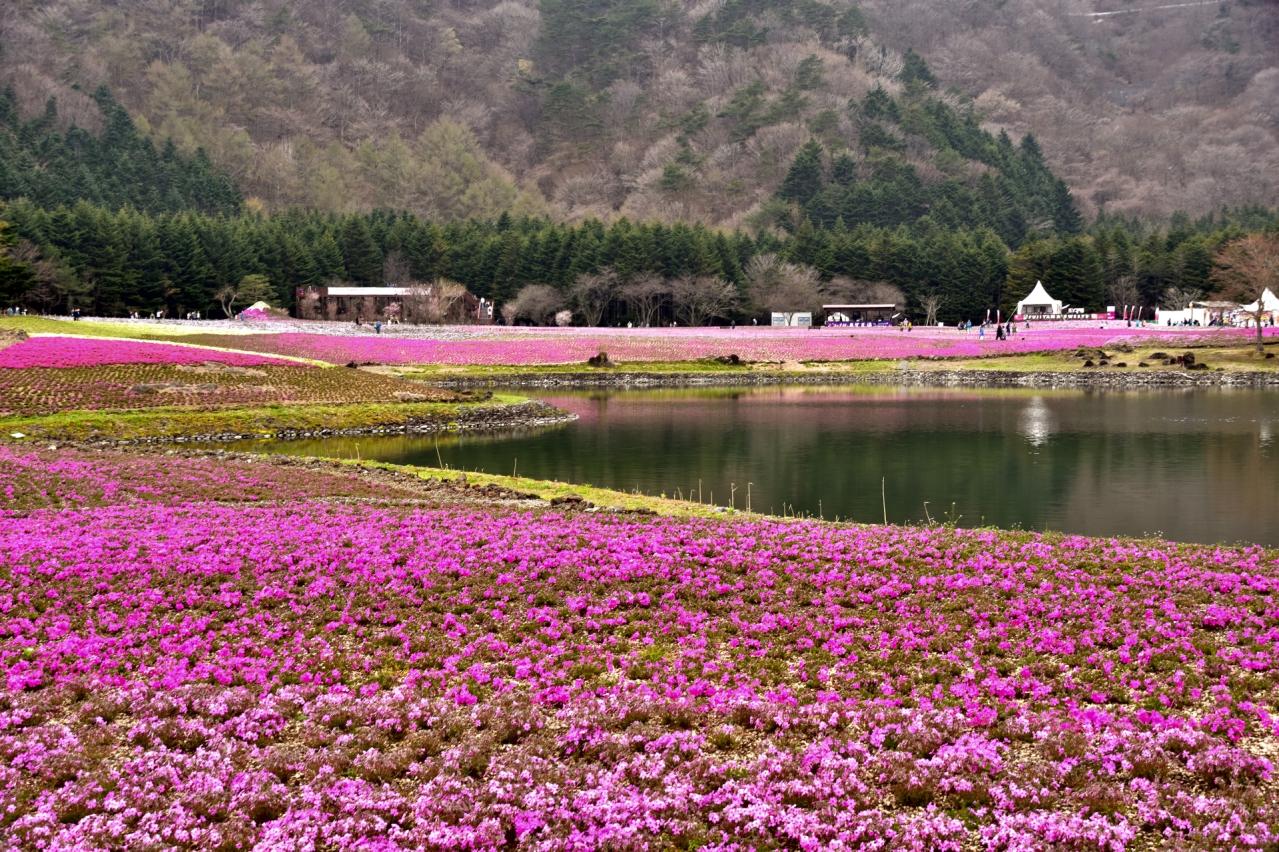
[(865, 292), (441, 301), (701, 298), (395, 270), (931, 303), (645, 295), (416, 303), (227, 297), (780, 286), (449, 301), (1179, 298), (592, 292), (309, 304), (1123, 291), (1245, 269), (537, 303)]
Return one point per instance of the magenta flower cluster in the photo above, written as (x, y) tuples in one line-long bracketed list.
[(54, 351), (575, 345), (315, 674)]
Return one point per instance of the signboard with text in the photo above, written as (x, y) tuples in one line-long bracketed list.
[(797, 319)]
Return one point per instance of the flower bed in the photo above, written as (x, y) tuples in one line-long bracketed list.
[(501, 346), (95, 351), (314, 674), (35, 391), (37, 479)]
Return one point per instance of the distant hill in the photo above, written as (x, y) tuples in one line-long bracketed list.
[(670, 111), (1143, 106)]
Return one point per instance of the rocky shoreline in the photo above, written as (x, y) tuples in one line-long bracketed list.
[(1099, 378), (525, 415)]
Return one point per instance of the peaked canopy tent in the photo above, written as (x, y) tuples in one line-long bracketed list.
[(1268, 303), (1039, 304)]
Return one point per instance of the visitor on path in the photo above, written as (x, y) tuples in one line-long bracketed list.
[(999, 332), (377, 326), (981, 332)]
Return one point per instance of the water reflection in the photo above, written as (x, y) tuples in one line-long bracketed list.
[(1193, 465), (1036, 422)]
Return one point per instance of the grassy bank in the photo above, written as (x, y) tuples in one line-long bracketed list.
[(172, 423), (549, 490)]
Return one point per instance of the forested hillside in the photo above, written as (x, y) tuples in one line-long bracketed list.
[(660, 110), (1148, 107), (115, 166)]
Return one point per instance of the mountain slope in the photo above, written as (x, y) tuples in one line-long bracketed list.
[(1157, 107), (643, 108)]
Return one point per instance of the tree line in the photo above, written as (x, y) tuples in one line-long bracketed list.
[(115, 261)]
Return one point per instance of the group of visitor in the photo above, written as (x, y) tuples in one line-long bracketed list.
[(1003, 330), (15, 312)]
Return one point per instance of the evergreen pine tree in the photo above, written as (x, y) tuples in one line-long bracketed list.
[(360, 254), (1066, 218), (804, 180), (328, 258)]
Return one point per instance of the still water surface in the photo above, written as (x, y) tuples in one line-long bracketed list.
[(1189, 465)]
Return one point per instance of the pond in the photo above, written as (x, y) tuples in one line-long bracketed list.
[(1188, 465)]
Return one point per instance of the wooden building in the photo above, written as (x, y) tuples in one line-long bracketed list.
[(429, 303), (862, 314)]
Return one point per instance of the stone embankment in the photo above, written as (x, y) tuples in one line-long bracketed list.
[(1090, 379), (1099, 379), (525, 415)]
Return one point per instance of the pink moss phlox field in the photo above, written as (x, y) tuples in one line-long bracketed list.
[(93, 351), (83, 478), (311, 674), (43, 390), (575, 345)]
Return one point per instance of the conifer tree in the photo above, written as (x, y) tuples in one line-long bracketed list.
[(360, 254), (804, 180)]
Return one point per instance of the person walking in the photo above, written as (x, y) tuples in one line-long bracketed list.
[(377, 326)]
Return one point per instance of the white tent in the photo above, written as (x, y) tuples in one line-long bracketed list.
[(1268, 302), (1039, 303)]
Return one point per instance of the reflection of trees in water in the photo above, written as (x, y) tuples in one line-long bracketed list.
[(1194, 466), (1204, 487)]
